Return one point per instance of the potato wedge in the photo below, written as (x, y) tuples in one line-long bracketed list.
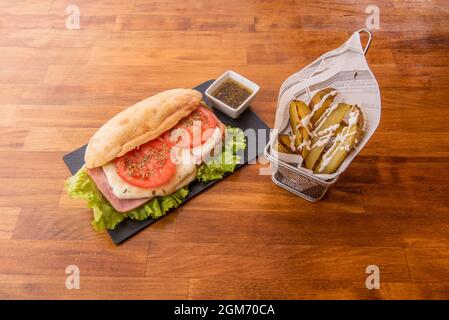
[(332, 116), (324, 131), (320, 102), (295, 123), (280, 148), (337, 132), (318, 147), (318, 96), (343, 144), (333, 157), (360, 124), (303, 111), (285, 141)]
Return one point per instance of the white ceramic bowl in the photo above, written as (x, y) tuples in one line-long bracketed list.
[(223, 107)]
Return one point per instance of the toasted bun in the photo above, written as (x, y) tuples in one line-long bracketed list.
[(140, 123)]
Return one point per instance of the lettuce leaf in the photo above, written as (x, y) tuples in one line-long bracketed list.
[(81, 186), (226, 161)]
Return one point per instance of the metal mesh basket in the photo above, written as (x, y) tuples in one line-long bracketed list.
[(299, 182)]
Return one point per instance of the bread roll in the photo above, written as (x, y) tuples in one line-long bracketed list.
[(140, 123)]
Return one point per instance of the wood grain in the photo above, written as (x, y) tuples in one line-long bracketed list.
[(437, 263), (6, 112), (245, 237), (92, 287), (36, 56), (13, 138), (94, 258), (62, 139), (232, 288), (259, 261), (8, 220)]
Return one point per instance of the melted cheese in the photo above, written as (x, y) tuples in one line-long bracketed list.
[(185, 160), (202, 152), (124, 190)]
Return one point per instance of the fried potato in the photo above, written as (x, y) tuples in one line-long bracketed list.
[(328, 124), (333, 115), (343, 144), (318, 148), (303, 111), (280, 148), (285, 141), (316, 100), (295, 123), (342, 125)]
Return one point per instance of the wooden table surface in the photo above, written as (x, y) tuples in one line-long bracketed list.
[(244, 237)]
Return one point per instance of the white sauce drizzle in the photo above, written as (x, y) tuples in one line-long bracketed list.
[(306, 120), (305, 144), (325, 135), (341, 137), (323, 117), (292, 142)]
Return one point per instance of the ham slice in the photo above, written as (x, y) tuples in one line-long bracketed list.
[(121, 205)]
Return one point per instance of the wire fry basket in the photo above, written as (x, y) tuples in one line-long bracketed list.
[(296, 179), (301, 183)]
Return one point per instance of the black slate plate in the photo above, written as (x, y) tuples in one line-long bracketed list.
[(248, 119)]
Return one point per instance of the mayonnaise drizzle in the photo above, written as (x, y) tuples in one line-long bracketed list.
[(292, 142), (323, 117), (306, 144), (325, 135), (353, 117), (341, 137), (306, 120)]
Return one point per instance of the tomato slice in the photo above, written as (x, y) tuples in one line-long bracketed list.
[(148, 165), (193, 130)]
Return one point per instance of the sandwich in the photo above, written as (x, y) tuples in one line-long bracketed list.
[(139, 164)]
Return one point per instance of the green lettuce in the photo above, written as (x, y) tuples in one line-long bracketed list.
[(81, 186), (226, 161)]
